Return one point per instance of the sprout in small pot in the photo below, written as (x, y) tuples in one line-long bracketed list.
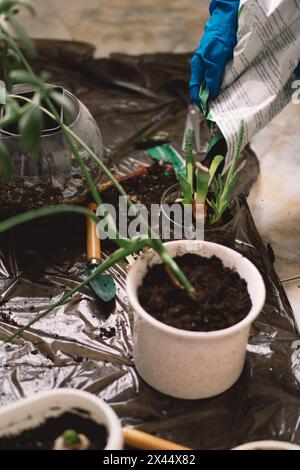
[(61, 419), (203, 193), (223, 232), (194, 348)]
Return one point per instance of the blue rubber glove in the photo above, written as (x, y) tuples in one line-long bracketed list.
[(297, 71), (216, 48)]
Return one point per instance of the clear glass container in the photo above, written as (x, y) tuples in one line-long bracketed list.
[(55, 177), (223, 234)]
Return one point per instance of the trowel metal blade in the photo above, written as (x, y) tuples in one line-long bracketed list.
[(103, 285)]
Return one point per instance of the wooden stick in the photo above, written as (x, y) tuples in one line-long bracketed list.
[(142, 440), (93, 242)]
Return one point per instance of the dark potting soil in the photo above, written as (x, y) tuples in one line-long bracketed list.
[(20, 195), (222, 297), (43, 436), (146, 188)]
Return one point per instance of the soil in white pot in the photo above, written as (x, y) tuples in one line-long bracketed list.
[(222, 297), (43, 436)]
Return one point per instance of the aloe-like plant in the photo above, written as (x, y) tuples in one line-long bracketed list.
[(29, 119), (203, 187)]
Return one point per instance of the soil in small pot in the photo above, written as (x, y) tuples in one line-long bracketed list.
[(43, 436), (222, 297)]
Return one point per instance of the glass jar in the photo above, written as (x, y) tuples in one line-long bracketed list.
[(54, 177)]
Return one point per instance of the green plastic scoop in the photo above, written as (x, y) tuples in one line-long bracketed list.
[(104, 284)]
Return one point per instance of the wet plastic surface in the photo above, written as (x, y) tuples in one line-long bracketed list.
[(88, 345)]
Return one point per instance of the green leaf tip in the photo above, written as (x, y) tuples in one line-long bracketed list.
[(70, 437), (189, 160)]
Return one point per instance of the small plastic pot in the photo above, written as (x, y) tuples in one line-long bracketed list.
[(222, 234), (268, 445), (186, 364), (33, 411)]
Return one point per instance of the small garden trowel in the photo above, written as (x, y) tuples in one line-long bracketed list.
[(103, 285)]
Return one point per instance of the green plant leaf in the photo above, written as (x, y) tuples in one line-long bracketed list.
[(70, 437), (21, 33), (189, 160), (30, 127), (214, 167), (27, 4), (11, 112), (214, 140), (186, 189), (202, 186), (223, 194), (203, 97), (13, 54), (5, 163), (6, 5), (135, 244), (24, 76), (29, 216), (64, 102)]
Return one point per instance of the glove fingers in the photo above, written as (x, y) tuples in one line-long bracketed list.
[(194, 92), (216, 56), (213, 78), (197, 76)]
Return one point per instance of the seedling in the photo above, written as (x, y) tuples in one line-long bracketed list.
[(203, 187), (71, 440)]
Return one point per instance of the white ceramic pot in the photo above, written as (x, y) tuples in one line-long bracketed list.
[(268, 445), (186, 364), (32, 411)]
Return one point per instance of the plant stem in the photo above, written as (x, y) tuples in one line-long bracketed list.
[(44, 212), (118, 255)]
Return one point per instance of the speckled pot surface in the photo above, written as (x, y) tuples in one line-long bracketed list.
[(185, 364)]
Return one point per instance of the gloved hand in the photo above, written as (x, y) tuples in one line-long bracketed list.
[(297, 71), (216, 47)]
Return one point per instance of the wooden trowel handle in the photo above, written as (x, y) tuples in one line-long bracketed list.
[(93, 242), (142, 440)]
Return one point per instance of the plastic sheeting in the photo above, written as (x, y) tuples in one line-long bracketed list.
[(87, 345)]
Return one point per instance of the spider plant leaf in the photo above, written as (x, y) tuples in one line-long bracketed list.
[(202, 183), (64, 102), (11, 112), (30, 127), (188, 153), (135, 244), (203, 97), (214, 140), (27, 4), (6, 5), (11, 53), (223, 193), (23, 76), (26, 42), (186, 189), (218, 187), (5, 163), (214, 167)]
